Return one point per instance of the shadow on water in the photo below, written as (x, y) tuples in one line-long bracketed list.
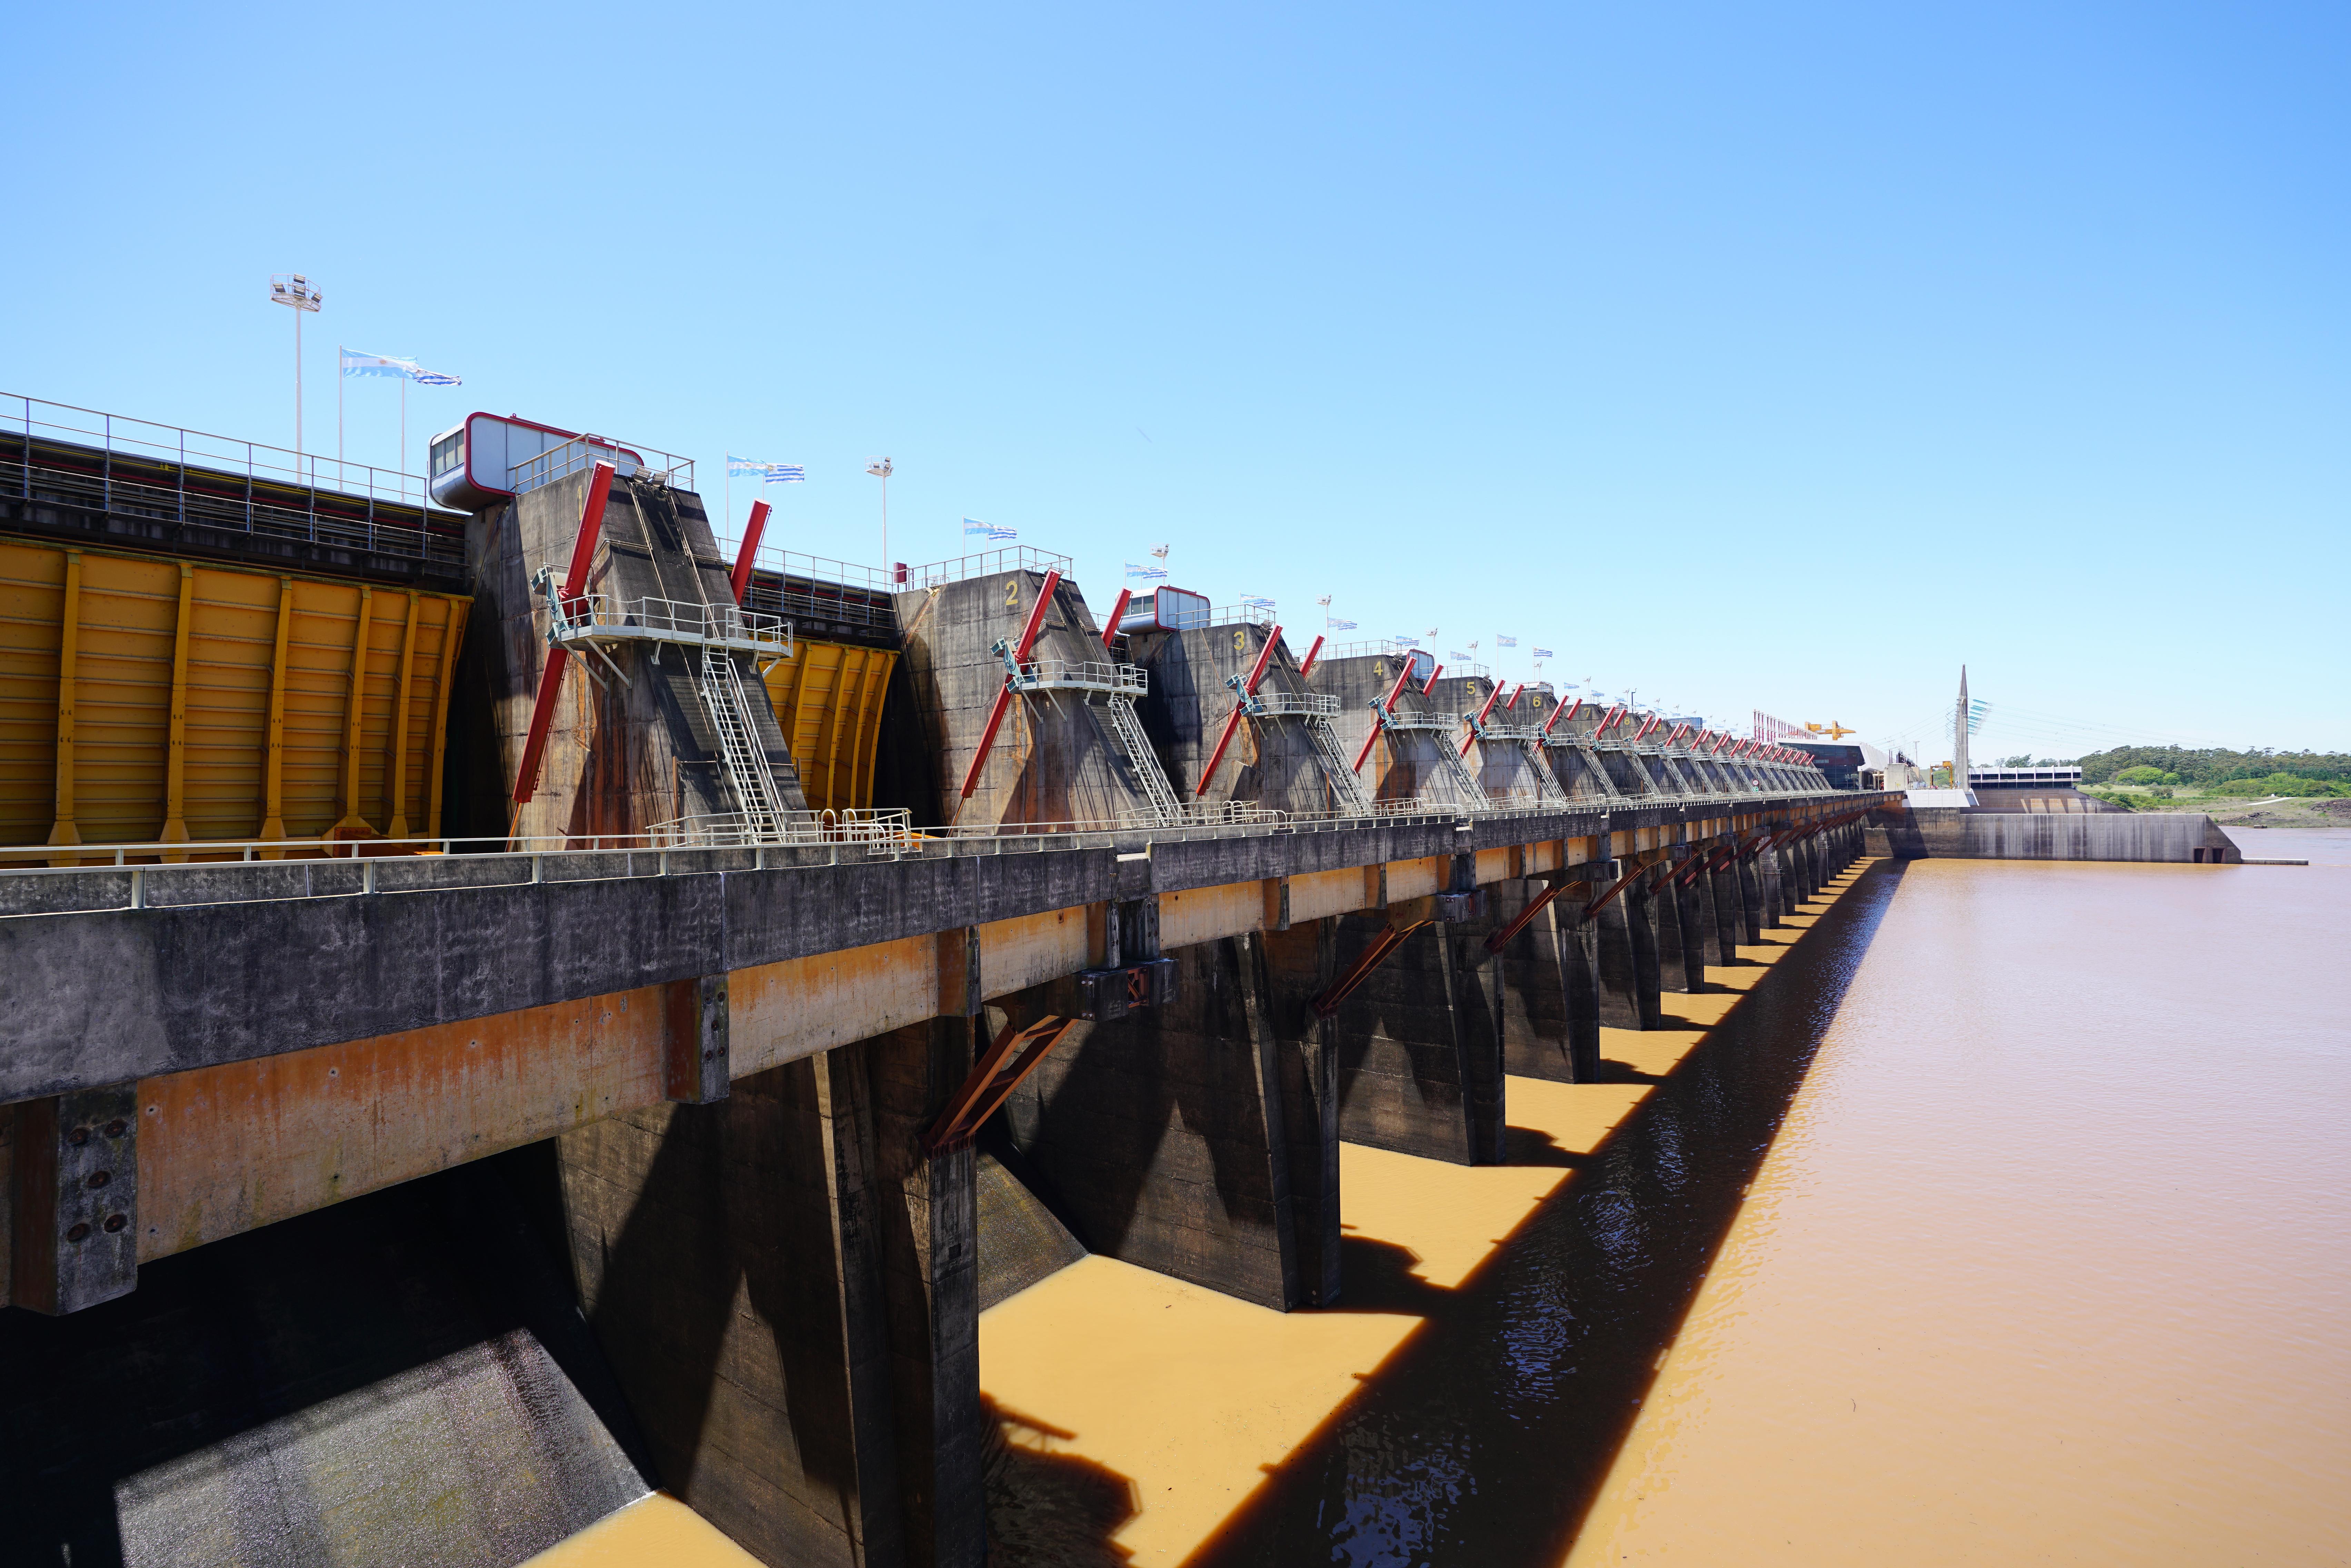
[(1044, 1507), (1484, 1438)]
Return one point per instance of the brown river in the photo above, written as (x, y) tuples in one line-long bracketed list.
[(1992, 1212)]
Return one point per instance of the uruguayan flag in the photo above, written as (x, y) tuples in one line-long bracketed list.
[(356, 364), (786, 474), (973, 527), (1543, 652), (1146, 573), (425, 378), (1332, 623), (1502, 642)]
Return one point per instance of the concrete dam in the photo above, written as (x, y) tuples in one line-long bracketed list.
[(515, 1004)]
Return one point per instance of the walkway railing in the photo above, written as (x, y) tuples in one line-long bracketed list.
[(59, 453)]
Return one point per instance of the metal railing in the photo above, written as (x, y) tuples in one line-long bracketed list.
[(278, 869), (816, 588), (60, 453), (1241, 615), (1435, 722), (581, 452), (961, 569), (1278, 704), (737, 830), (1378, 647), (600, 616), (1065, 674)]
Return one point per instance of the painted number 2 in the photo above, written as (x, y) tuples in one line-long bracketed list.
[(1012, 593)]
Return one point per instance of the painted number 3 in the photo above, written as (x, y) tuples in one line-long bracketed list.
[(1240, 642), (1012, 593)]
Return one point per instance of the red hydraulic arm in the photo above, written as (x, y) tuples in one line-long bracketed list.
[(993, 1078), (1432, 680), (1597, 905), (1613, 714), (1390, 938), (1249, 690), (1562, 710), (751, 532), (1395, 691), (1647, 725), (550, 679), (1117, 614), (1004, 698), (1309, 658), (1520, 921), (1472, 736), (1516, 695)]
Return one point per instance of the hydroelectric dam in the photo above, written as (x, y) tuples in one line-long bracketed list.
[(513, 1003)]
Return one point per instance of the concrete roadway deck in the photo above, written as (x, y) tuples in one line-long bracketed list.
[(295, 1038)]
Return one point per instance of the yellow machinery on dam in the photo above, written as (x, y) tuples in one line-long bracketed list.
[(634, 1135)]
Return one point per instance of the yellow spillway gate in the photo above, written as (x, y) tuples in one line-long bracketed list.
[(829, 700), (147, 699)]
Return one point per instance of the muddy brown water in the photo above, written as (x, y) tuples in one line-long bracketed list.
[(2006, 1216)]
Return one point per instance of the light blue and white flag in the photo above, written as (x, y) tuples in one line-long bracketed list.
[(1332, 623), (1405, 642), (1257, 601), (1543, 652), (786, 474), (1502, 642), (425, 378), (973, 526), (1146, 573), (358, 364), (1457, 654), (745, 467)]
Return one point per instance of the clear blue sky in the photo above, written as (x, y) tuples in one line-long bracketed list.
[(1753, 357)]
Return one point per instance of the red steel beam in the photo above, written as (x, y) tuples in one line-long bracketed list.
[(1233, 724), (1432, 679), (741, 580), (992, 1081), (1516, 695), (1036, 623), (550, 679), (1309, 658), (1395, 691), (1519, 922), (1597, 905), (1375, 953), (1562, 710), (1472, 736), (1117, 614)]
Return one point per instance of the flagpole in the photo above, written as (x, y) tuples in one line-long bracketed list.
[(401, 466), (339, 413)]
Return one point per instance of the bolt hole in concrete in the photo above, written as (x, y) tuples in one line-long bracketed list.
[(2040, 1256)]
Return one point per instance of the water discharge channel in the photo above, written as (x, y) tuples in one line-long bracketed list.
[(1991, 1211)]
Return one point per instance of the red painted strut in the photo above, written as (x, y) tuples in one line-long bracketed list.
[(1375, 951), (1117, 614), (1249, 689), (1432, 679), (1562, 710), (1395, 691), (1004, 698), (1472, 736), (550, 679), (1309, 658), (751, 532)]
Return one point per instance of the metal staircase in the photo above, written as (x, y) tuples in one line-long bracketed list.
[(1348, 798), (1456, 773), (1128, 730), (1599, 769), (1547, 785), (746, 760)]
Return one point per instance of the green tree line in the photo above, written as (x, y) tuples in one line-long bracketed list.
[(2216, 766)]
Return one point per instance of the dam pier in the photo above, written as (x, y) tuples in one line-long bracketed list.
[(516, 1002)]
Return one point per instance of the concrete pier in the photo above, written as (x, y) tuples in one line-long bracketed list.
[(785, 1284)]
